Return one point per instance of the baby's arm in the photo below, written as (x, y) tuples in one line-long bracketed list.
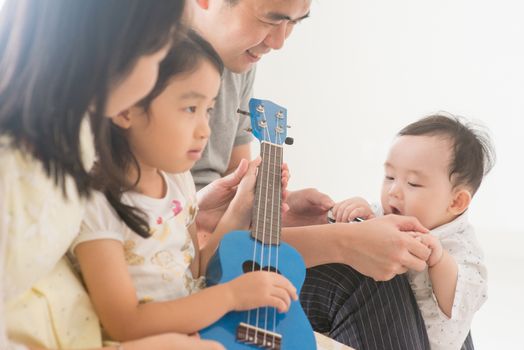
[(349, 209), (443, 273), (114, 297)]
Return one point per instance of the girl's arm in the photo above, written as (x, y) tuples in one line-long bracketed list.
[(114, 297), (236, 217), (169, 341), (228, 223)]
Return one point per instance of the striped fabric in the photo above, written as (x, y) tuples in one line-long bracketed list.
[(355, 310)]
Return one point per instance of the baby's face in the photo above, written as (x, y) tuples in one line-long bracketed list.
[(416, 180)]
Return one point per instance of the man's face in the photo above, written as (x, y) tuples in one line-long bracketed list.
[(242, 33)]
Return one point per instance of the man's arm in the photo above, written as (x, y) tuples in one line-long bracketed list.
[(379, 248)]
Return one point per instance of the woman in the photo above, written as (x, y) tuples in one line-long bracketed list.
[(60, 61)]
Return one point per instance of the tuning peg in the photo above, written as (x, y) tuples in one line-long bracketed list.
[(289, 141), (239, 111)]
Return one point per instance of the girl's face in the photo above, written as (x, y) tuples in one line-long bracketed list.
[(174, 133), (137, 84), (416, 181)]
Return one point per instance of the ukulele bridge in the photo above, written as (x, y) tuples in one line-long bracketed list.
[(259, 337)]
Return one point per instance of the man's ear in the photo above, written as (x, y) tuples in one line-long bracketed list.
[(204, 4), (123, 119), (461, 200)]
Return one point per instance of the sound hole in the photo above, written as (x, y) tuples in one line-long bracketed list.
[(250, 266)]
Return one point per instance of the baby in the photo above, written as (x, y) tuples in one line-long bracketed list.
[(432, 171)]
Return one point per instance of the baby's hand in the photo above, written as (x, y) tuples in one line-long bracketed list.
[(434, 244), (352, 208), (261, 288)]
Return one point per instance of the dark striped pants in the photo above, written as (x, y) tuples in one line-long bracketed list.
[(355, 310)]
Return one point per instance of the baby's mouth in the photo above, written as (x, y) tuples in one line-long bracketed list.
[(395, 211)]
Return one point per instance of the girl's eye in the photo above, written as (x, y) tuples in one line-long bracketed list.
[(191, 109)]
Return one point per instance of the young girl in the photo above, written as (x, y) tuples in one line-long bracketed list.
[(432, 171), (137, 248)]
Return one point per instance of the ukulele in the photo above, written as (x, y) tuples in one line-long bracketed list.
[(240, 252)]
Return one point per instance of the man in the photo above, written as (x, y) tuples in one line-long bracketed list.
[(337, 296)]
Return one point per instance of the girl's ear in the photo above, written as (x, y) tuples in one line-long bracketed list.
[(123, 119), (461, 201)]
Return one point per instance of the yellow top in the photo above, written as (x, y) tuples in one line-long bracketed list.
[(44, 301)]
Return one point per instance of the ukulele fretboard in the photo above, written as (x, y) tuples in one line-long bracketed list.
[(266, 220)]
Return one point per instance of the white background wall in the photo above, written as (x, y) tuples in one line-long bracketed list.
[(357, 71)]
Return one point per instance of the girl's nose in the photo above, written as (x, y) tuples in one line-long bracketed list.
[(203, 130)]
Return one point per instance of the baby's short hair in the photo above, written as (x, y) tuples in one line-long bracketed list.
[(473, 155)]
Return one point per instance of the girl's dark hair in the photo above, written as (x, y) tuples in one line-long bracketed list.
[(185, 56), (473, 155), (59, 59)]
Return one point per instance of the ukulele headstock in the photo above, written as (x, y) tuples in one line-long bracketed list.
[(268, 121)]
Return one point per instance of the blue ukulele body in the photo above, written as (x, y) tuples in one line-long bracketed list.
[(234, 250)]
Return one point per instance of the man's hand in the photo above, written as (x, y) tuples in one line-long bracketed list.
[(214, 199), (382, 249), (307, 207)]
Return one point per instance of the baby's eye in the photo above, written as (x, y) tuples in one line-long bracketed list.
[(412, 184), (210, 110), (191, 109), (390, 178)]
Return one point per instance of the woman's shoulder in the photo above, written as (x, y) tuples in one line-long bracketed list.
[(33, 211)]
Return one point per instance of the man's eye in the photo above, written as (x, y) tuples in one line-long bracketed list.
[(191, 109)]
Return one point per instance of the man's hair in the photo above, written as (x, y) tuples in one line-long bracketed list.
[(473, 155)]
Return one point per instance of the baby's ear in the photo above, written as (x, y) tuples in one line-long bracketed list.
[(123, 119), (461, 200)]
